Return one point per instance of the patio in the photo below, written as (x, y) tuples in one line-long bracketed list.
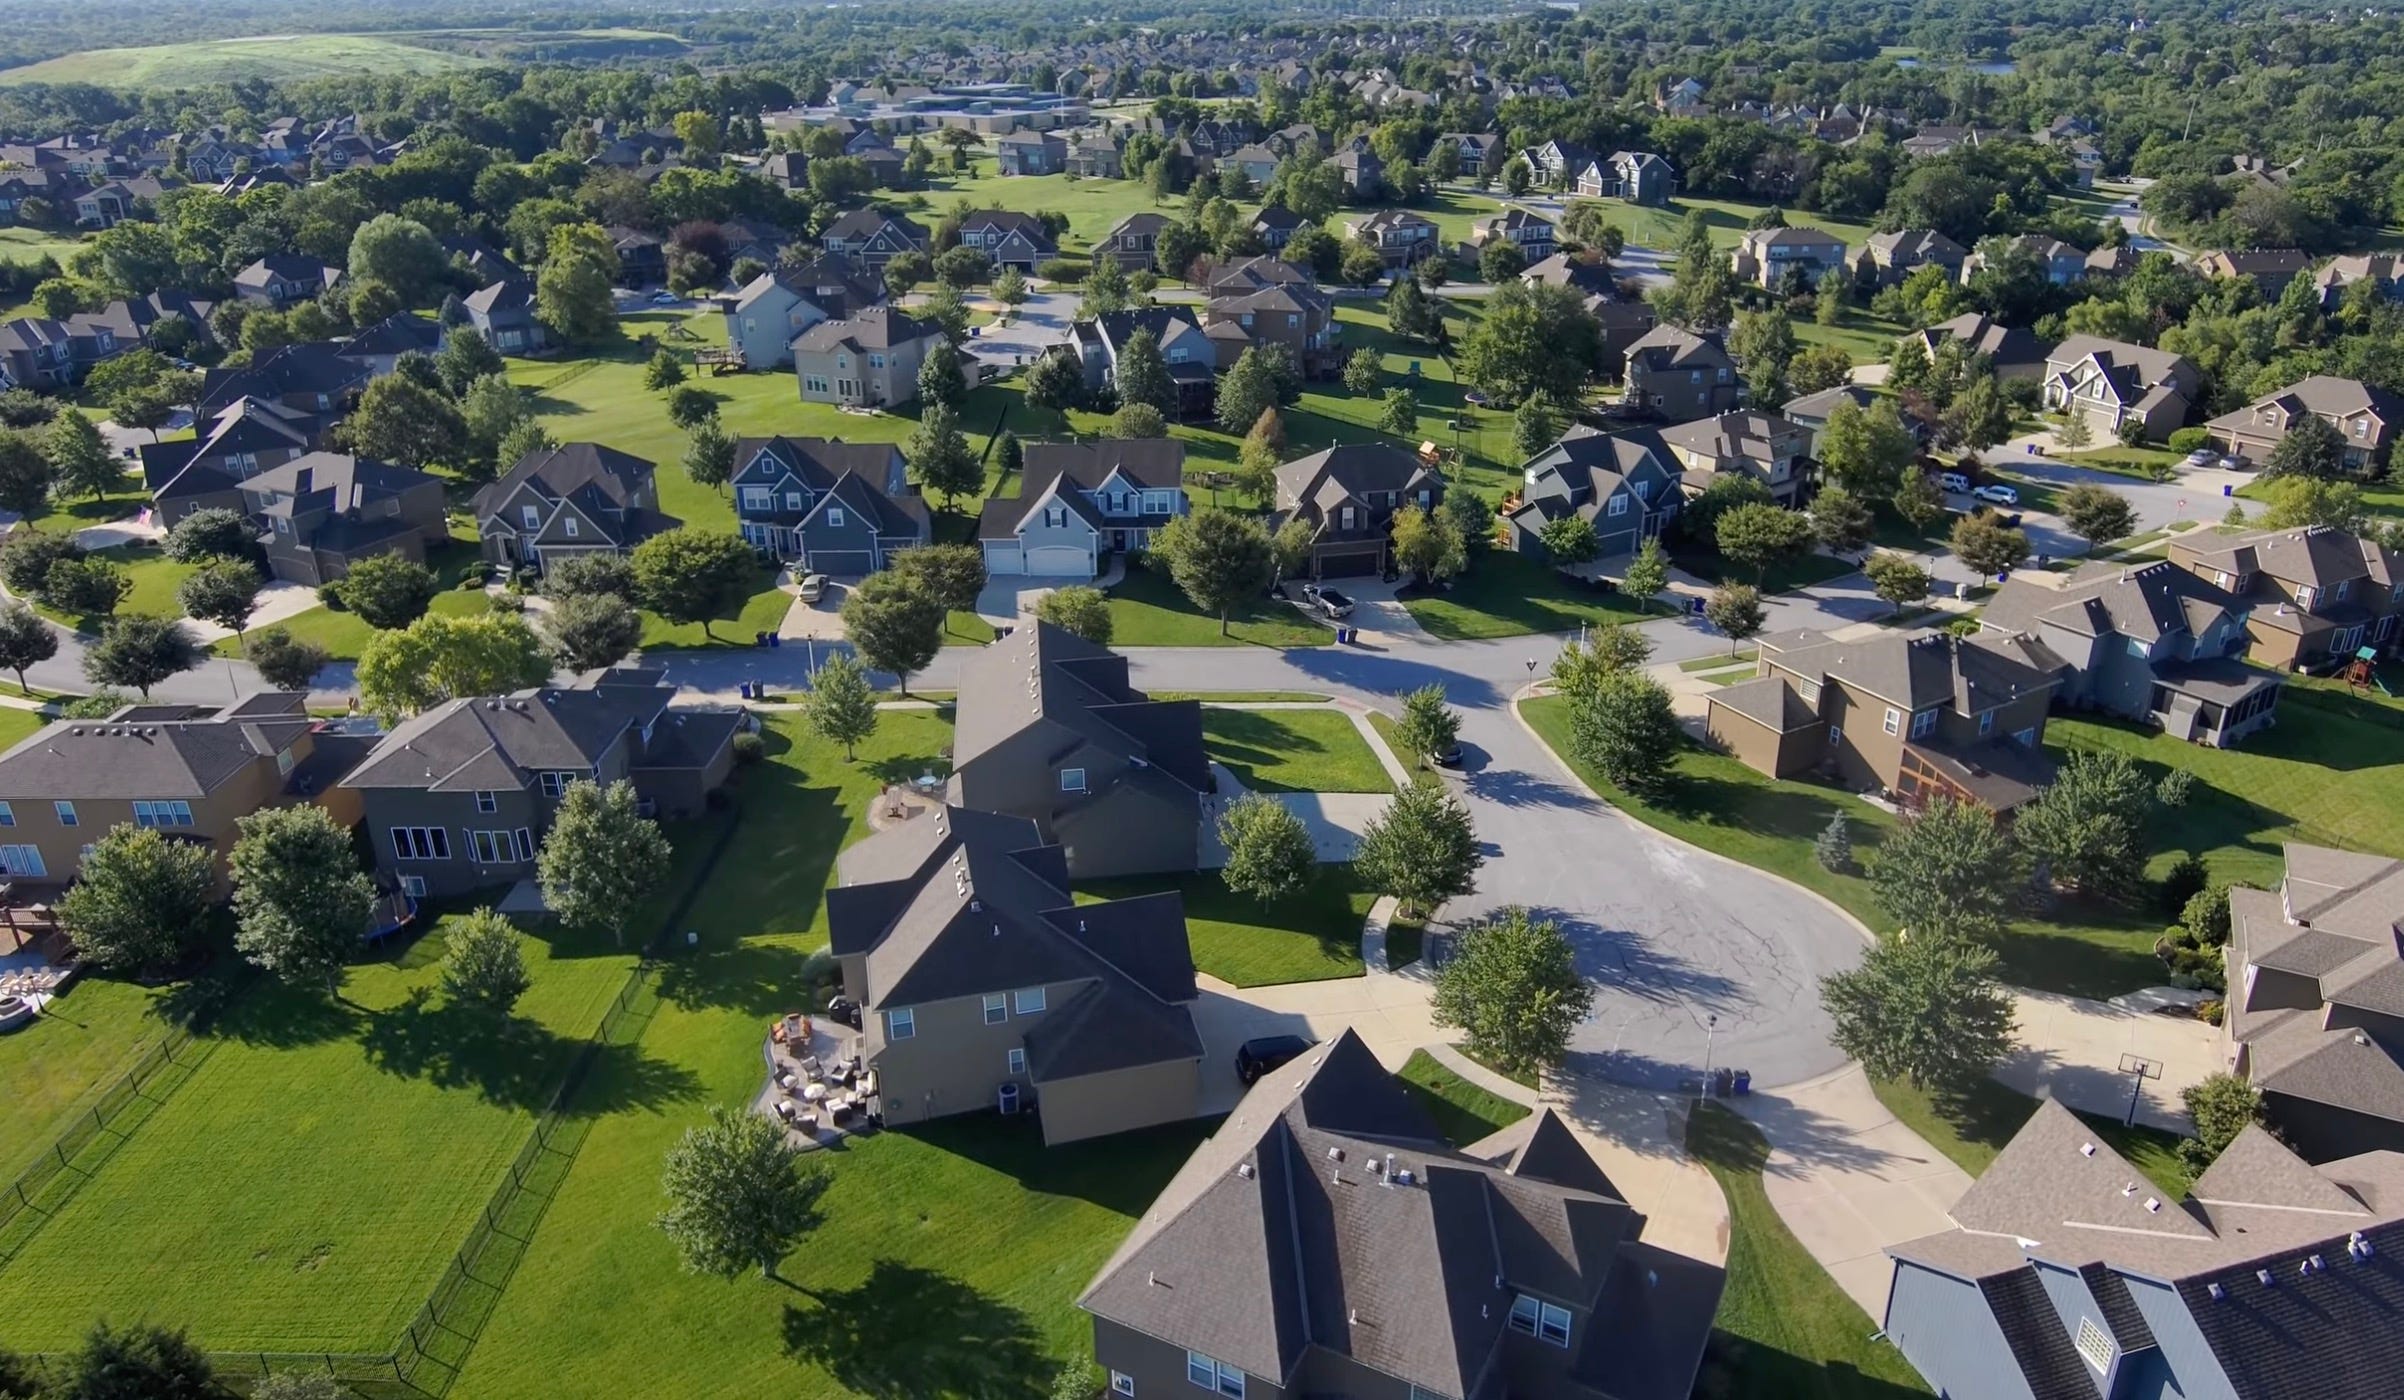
[(36, 963), (816, 1084)]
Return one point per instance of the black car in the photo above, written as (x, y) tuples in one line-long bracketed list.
[(1255, 1058), (1449, 756)]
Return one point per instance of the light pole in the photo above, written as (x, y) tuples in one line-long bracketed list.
[(1711, 1040)]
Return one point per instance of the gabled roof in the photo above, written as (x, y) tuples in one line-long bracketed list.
[(2326, 395), (2147, 602), (1353, 469), (332, 481), (1913, 670), (603, 484), (491, 743), (869, 328), (1672, 348), (2005, 345), (138, 754), (245, 425), (2318, 555), (1047, 675)]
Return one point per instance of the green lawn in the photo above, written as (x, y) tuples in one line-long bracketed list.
[(1505, 594), (1146, 610), (57, 1066), (345, 634), (1802, 571), (1294, 750), (1784, 1327), (151, 580), (763, 611), (1867, 338), (1717, 663), (1972, 1127), (1243, 697), (1464, 1113), (1308, 937), (290, 58), (17, 723), (2382, 497), (2145, 463), (19, 244)]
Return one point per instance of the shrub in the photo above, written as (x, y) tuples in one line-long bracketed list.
[(331, 596), (2132, 433), (1060, 270), (2190, 439), (2175, 787), (749, 749), (2183, 881)]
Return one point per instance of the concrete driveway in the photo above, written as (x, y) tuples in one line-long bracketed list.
[(2192, 494), (1042, 322)]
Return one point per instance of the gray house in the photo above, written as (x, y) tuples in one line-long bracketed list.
[(1030, 153), (245, 438), (1049, 729), (572, 499), (1188, 350), (2068, 1274), (1679, 376), (504, 312), (1349, 495), (281, 279), (323, 512), (769, 311), (1009, 239), (835, 507), (1326, 1242), (1079, 502), (1626, 484), (459, 798)]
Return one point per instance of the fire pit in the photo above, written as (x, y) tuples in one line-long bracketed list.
[(14, 1012)]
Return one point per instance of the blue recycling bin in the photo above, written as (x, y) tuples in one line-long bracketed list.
[(2227, 489), (744, 689), (1742, 1082), (775, 640)]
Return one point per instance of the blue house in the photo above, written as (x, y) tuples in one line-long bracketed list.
[(1080, 501), (832, 507)]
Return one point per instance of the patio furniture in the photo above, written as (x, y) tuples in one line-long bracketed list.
[(784, 1109), (813, 1092), (867, 1085), (807, 1122), (837, 1110)]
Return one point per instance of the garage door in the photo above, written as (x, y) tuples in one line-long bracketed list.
[(1352, 565), (843, 563), (1059, 561), (1004, 559)]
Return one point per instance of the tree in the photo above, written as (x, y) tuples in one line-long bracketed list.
[(25, 640), (2100, 516), (1138, 420), (1828, 304), (601, 859), (1143, 375), (388, 590), (1218, 560), (1979, 417), (940, 380), (664, 370), (1569, 540), (1622, 726), (1105, 289), (1948, 871), (951, 574), (88, 588), (1079, 608), (592, 630), (220, 591), (2074, 433), (688, 575), (79, 460), (1290, 548), (1262, 452), (140, 651), (689, 406), (1833, 848), (400, 253), (1986, 545), (904, 271), (840, 706), (1427, 546), (139, 900), (940, 458), (1362, 264), (1500, 261), (2299, 501), (1466, 513), (213, 533), (1518, 176), (739, 1194), (1866, 451), (1412, 313), (1247, 391), (482, 965), (709, 454), (1763, 343), (1896, 579), (572, 292), (1400, 415), (2087, 829), (300, 900), (1760, 537), (1606, 650), (1736, 610), (1923, 1007), (1819, 367), (2311, 448), (1429, 726), (1840, 521), (1421, 849), (492, 410), (1513, 985), (1918, 500), (1269, 850), (1907, 364), (439, 657), (894, 623), (1648, 572), (1363, 370), (284, 661), (141, 1361), (25, 475), (400, 420), (465, 359), (2222, 1105), (1055, 382), (1010, 287), (1531, 340)]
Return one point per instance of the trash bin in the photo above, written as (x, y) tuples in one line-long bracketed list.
[(1722, 1080), (759, 639), (743, 688), (2227, 489), (1742, 1083), (775, 640)]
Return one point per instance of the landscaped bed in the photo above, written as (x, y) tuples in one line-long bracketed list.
[(1293, 750)]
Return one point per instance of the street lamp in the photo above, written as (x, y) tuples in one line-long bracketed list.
[(1710, 1043)]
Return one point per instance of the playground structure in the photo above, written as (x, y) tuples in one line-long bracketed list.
[(2362, 672)]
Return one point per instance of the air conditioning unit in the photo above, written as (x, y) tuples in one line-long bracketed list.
[(1007, 1099)]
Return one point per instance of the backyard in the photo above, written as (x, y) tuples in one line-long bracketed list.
[(1293, 750)]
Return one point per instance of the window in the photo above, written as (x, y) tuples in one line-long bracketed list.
[(414, 886), (162, 813), (2095, 1344), (421, 843), (1537, 1319), (525, 843), (1836, 735), (794, 500), (2304, 597), (814, 383), (758, 498), (21, 860), (1619, 504), (530, 517), (1345, 519), (1121, 1383), (1924, 723), (488, 802), (570, 523), (489, 847), (876, 362), (1986, 723), (2026, 738), (2344, 587), (284, 761), (1018, 1061), (553, 784), (65, 811), (1214, 1375), (1072, 780), (1030, 1000), (1894, 720), (997, 1008), (901, 1024), (8, 816)]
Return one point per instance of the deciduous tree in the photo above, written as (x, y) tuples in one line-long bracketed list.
[(1948, 871), (601, 859), (482, 965), (1760, 537), (840, 706), (739, 1195), (689, 575), (221, 591), (1079, 608), (1840, 520), (1896, 579), (1269, 850), (140, 651), (1428, 726), (300, 900), (285, 661), (1924, 1007), (79, 460), (1421, 849), (140, 900), (2087, 829), (894, 623), (1986, 545), (940, 459), (1621, 724), (1512, 985), (592, 630), (2099, 515), (388, 590), (1736, 610), (438, 658), (25, 640), (1218, 560)]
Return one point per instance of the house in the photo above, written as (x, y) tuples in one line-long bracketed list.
[(241, 440), (1050, 731), (1771, 449), (1349, 495), (843, 508), (2061, 263), (1401, 237), (2110, 383), (787, 170), (2313, 1018), (459, 798), (1097, 157), (2270, 269), (1363, 174), (1678, 375), (36, 353), (111, 203), (869, 359), (1255, 163), (766, 315), (379, 347), (504, 313), (1080, 502), (1767, 256), (872, 239), (2381, 270), (1262, 301), (322, 512), (1531, 233), (1891, 257), (1917, 715), (1474, 150), (1030, 153), (982, 981), (1192, 356), (1009, 239), (2151, 642), (1324, 1241), (281, 279), (190, 771), (572, 499), (1275, 226), (642, 256), (1132, 240), (2066, 1273), (478, 261), (1683, 98), (1625, 484), (309, 376), (2318, 595), (1554, 164), (2368, 420), (1639, 177), (2014, 351)]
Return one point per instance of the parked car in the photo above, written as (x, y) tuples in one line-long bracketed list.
[(1997, 495), (1954, 482), (1259, 1056), (1447, 757), (813, 587), (666, 299), (2236, 462), (2202, 457), (1326, 600)]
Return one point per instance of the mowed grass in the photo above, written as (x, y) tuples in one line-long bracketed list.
[(17, 723), (21, 244), (346, 634), (56, 1067), (1147, 610), (267, 58), (151, 580), (1464, 1112), (1294, 750), (1506, 594), (1973, 1126), (1312, 936)]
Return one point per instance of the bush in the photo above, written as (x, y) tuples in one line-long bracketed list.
[(331, 597), (2175, 788), (506, 603), (2182, 882), (1060, 270), (2190, 439), (2132, 433), (749, 749), (2211, 1012)]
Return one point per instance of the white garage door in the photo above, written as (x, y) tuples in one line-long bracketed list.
[(1004, 559), (1060, 561)]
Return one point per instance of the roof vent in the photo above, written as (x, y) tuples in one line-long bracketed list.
[(2216, 1291), (1403, 1178), (1244, 1170), (976, 906), (2128, 1188), (1335, 1154), (2153, 1205), (2361, 1039), (2357, 1248), (2312, 1265), (1352, 1317), (2086, 1149), (2266, 1277)]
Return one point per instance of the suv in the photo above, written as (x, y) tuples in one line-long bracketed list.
[(1327, 600), (1997, 495), (1954, 482), (1257, 1057)]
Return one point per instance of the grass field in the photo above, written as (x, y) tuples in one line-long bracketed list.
[(267, 58), (1463, 1112), (16, 723), (57, 1065), (1308, 937), (1146, 610), (1972, 1127), (1294, 750), (1506, 594), (19, 244), (151, 581)]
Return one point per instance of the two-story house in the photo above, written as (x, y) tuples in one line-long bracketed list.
[(576, 498), (642, 256), (1081, 502), (1556, 163), (843, 508), (766, 315), (1030, 153), (459, 798), (1625, 484), (2014, 351), (1275, 226), (1325, 1241), (2151, 642), (504, 314), (1531, 233), (1363, 173), (1348, 496), (36, 353), (1895, 255), (243, 439), (872, 239), (1264, 302), (324, 511), (1400, 237), (1134, 240), (1185, 347), (1009, 239), (281, 279), (869, 359), (2367, 418), (1256, 163), (2383, 271), (128, 322), (2110, 383), (1764, 446), (2316, 595), (1097, 157), (112, 202), (1766, 257), (190, 771), (2060, 263), (1638, 177), (1678, 375), (2269, 269), (1473, 150), (984, 983), (1050, 730), (312, 377), (1918, 715)]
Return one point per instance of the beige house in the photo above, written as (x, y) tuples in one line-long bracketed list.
[(2313, 597), (870, 360), (2111, 383), (2367, 418), (1764, 446)]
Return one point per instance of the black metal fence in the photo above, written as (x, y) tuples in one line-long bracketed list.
[(93, 1135)]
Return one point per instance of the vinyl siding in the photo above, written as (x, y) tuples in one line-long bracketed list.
[(1944, 1327)]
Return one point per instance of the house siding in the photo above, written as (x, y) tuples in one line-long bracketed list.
[(455, 812), (955, 1062), (1764, 749), (1034, 535), (1129, 831), (1093, 1105), (2188, 1370), (1944, 1327), (1158, 1367)]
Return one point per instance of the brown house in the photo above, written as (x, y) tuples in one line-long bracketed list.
[(1349, 496), (2368, 419), (1916, 715), (1679, 376), (323, 512), (189, 771), (2314, 596)]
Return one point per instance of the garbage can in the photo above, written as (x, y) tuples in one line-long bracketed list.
[(743, 688), (1742, 1083), (1722, 1080), (775, 640), (759, 639)]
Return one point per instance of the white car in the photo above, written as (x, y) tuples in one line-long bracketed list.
[(2202, 457), (1997, 495), (1954, 482), (813, 587)]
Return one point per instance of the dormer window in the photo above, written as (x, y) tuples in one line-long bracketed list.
[(1055, 517), (2306, 596)]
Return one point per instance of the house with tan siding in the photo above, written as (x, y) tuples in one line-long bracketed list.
[(2315, 595)]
